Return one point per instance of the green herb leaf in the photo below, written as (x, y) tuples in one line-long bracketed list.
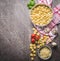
[(29, 6), (32, 3)]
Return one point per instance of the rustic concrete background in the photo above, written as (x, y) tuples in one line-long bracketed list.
[(15, 31)]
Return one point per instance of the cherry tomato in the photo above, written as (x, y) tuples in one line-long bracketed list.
[(33, 40), (33, 35), (37, 37)]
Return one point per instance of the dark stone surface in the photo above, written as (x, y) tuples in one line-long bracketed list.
[(15, 31)]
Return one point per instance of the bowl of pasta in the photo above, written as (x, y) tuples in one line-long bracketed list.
[(41, 15)]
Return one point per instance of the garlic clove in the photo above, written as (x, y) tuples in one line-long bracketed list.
[(54, 44)]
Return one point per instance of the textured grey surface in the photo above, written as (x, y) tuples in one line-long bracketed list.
[(15, 31)]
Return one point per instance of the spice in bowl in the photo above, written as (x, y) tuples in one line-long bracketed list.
[(41, 14), (45, 52)]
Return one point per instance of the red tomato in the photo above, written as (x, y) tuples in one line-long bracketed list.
[(37, 37), (33, 40), (33, 35)]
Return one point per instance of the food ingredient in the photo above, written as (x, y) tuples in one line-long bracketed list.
[(32, 58), (41, 15), (33, 35), (33, 51), (37, 37), (31, 4), (37, 41), (33, 40), (45, 53), (54, 44)]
